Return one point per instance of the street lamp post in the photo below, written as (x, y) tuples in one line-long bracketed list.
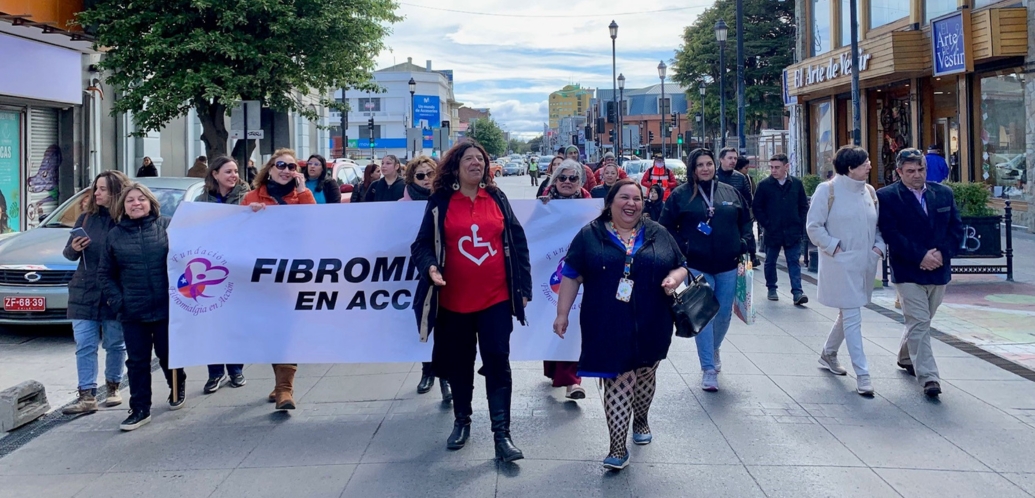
[(856, 119), (704, 90), (413, 89), (613, 28), (720, 35), (621, 117), (344, 125), (664, 134), (740, 79)]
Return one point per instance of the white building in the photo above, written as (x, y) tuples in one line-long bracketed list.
[(433, 106)]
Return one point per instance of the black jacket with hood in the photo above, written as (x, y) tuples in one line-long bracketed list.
[(133, 269), (720, 250)]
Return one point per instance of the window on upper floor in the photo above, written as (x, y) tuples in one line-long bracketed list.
[(936, 8), (887, 11), (370, 104), (822, 41), (846, 21)]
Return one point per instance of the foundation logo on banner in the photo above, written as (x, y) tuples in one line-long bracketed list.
[(204, 284), (552, 287)]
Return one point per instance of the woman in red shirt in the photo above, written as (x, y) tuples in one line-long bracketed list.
[(474, 263), (280, 182)]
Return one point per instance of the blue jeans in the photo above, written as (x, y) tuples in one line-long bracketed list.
[(217, 371), (793, 254), (88, 336), (710, 339)]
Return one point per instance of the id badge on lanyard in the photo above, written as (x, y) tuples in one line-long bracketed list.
[(625, 284), (705, 227)]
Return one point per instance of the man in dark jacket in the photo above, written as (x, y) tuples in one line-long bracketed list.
[(727, 173), (922, 227), (780, 208)]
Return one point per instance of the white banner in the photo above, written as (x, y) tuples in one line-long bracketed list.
[(333, 283)]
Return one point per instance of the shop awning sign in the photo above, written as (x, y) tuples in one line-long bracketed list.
[(836, 66), (949, 36)]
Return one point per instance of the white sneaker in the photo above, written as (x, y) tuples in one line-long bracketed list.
[(717, 361), (575, 392), (864, 386), (710, 381), (829, 362)]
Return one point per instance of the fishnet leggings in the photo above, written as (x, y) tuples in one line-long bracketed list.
[(628, 396)]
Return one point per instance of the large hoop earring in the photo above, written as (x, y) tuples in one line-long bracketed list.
[(456, 186), (481, 185)]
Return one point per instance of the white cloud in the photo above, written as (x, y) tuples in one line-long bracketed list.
[(511, 64)]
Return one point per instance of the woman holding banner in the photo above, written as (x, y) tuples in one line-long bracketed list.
[(566, 183), (134, 276), (223, 185), (280, 183), (712, 226), (469, 302), (625, 335), (420, 173)]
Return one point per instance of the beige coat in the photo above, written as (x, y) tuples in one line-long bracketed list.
[(845, 280)]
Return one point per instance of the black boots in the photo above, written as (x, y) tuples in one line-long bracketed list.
[(426, 383), (447, 393), (499, 414), (461, 431)]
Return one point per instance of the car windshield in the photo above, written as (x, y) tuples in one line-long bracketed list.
[(632, 167), (64, 217)]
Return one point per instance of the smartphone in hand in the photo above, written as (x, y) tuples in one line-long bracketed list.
[(79, 232)]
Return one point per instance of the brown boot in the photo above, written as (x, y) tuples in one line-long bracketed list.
[(87, 403), (285, 378)]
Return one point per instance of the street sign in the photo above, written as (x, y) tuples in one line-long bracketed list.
[(254, 113), (252, 134)]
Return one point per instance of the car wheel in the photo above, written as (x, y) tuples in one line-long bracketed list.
[(498, 174)]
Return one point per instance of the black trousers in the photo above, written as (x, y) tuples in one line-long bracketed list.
[(141, 337), (535, 177), (458, 339), (426, 368)]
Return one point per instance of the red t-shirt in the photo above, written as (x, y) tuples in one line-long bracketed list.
[(476, 275)]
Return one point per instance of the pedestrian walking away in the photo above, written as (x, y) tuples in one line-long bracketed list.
[(842, 223), (419, 177), (711, 224), (199, 169), (223, 185), (566, 183), (937, 168), (135, 281), (280, 183), (922, 227), (625, 335), (468, 303), (371, 174), (391, 185), (318, 180), (780, 208), (93, 321)]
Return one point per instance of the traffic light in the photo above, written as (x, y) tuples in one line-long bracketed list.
[(588, 131), (679, 140), (610, 112), (611, 134), (370, 126), (650, 137)]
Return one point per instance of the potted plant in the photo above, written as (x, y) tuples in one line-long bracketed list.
[(982, 226)]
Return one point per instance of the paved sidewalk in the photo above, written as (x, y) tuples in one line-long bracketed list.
[(779, 427)]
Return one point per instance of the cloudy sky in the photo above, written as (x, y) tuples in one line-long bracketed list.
[(511, 60)]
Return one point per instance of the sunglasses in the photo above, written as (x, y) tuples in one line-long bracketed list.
[(563, 178), (281, 165), (421, 176)]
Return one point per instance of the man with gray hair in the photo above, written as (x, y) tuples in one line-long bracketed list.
[(921, 225)]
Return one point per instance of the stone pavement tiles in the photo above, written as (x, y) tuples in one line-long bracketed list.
[(779, 427)]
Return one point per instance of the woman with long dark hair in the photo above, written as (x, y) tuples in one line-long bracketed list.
[(371, 174), (625, 335), (317, 179), (147, 169), (712, 225), (554, 163), (468, 303), (93, 321), (389, 187)]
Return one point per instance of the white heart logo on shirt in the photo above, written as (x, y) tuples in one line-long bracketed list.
[(476, 242)]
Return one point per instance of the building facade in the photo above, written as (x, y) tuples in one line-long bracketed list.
[(640, 110), (572, 100), (943, 73)]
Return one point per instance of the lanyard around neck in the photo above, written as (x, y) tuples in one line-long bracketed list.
[(629, 246)]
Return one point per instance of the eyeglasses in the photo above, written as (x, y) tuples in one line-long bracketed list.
[(563, 178), (281, 165), (421, 176)]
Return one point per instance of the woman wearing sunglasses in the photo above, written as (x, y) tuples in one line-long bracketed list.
[(419, 175), (566, 183), (280, 182)]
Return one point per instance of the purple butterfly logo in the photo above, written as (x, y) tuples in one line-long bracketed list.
[(199, 274)]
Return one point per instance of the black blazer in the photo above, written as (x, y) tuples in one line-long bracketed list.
[(910, 233), (781, 211)]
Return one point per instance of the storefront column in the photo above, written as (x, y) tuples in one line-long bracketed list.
[(796, 152), (1028, 218)]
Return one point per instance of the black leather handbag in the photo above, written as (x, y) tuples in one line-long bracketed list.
[(693, 308)]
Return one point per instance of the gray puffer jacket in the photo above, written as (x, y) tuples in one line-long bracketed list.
[(133, 269), (85, 298)]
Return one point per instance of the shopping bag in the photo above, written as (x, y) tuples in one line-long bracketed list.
[(743, 301)]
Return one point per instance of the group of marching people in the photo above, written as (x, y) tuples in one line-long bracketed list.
[(627, 262)]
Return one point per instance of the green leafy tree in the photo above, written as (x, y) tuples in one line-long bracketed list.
[(489, 134), (768, 48), (168, 56), (517, 146), (535, 144)]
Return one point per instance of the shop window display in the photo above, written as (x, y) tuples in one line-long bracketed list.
[(821, 117), (893, 130), (1003, 162)]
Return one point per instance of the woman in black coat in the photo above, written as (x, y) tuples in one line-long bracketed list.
[(133, 273), (470, 300), (627, 267), (93, 321), (318, 180)]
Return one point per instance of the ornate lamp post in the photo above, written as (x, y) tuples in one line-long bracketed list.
[(721, 30), (664, 132), (413, 89), (621, 126)]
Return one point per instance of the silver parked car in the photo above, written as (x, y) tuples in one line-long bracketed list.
[(34, 273)]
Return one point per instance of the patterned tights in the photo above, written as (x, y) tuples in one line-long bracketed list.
[(628, 396)]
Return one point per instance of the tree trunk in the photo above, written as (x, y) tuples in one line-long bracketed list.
[(213, 127), (238, 154)]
